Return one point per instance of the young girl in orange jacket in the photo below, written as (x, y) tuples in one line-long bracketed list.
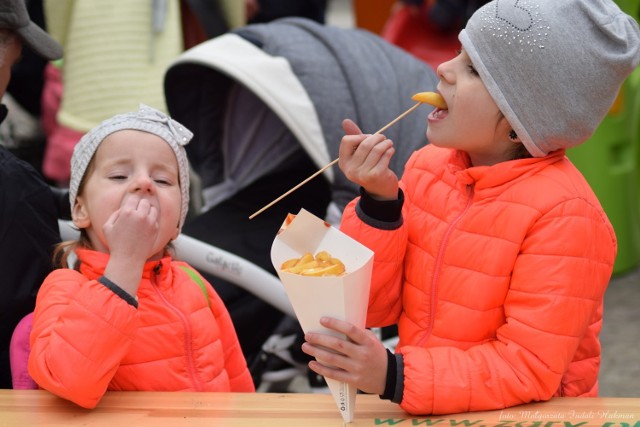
[(492, 254), (128, 316)]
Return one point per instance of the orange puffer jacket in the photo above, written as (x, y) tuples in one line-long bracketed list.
[(495, 278), (86, 339)]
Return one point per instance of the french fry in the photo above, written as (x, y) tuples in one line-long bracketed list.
[(323, 264), (305, 259), (323, 256), (431, 98), (331, 270), (289, 263)]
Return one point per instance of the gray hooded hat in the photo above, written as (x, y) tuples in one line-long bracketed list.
[(553, 67)]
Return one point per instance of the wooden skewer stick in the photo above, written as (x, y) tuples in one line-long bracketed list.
[(387, 126)]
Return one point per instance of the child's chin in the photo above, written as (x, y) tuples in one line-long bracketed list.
[(157, 255)]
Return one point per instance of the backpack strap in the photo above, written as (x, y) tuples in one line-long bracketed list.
[(196, 278)]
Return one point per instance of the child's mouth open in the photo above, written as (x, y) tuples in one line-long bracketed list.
[(438, 114)]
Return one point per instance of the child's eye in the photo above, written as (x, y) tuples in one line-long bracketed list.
[(161, 179), (472, 69), (117, 177)]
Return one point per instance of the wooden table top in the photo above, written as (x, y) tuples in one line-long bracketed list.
[(24, 408)]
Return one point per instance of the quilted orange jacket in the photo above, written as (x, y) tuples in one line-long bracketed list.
[(86, 339), (495, 276)]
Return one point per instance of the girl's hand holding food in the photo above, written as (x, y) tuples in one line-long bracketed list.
[(364, 159), (360, 360)]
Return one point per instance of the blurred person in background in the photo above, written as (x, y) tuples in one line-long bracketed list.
[(448, 16), (28, 212), (259, 11), (104, 72)]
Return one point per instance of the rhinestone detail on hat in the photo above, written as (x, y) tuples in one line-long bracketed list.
[(518, 22)]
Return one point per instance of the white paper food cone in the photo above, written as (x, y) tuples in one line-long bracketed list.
[(344, 297)]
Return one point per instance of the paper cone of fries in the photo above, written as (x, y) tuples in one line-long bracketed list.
[(343, 297)]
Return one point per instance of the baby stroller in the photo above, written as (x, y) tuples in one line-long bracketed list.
[(265, 103)]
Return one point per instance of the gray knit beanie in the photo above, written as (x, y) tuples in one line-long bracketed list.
[(146, 119), (553, 67)]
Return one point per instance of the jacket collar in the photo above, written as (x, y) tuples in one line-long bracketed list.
[(486, 177), (93, 263)]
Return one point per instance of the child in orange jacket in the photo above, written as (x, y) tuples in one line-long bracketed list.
[(492, 254), (128, 316)]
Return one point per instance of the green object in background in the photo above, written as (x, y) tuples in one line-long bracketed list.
[(609, 161), (632, 7)]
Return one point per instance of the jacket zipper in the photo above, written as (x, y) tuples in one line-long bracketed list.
[(188, 349), (440, 260)]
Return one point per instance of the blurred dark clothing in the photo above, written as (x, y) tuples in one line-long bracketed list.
[(201, 20), (275, 9), (28, 232), (449, 15)]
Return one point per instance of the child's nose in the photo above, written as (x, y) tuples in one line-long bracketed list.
[(143, 183), (444, 72)]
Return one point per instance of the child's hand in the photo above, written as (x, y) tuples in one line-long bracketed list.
[(130, 234), (364, 159), (131, 231), (361, 360)]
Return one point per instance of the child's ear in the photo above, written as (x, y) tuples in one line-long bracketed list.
[(79, 214)]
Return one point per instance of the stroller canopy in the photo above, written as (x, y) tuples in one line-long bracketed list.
[(254, 96)]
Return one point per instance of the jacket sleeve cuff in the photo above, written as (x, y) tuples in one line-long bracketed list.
[(394, 386), (383, 214), (118, 291)]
